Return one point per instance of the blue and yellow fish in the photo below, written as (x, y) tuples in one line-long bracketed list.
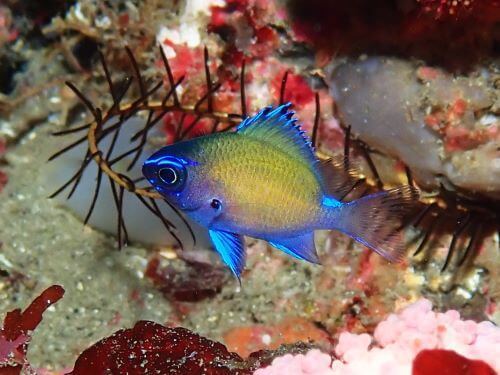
[(264, 181)]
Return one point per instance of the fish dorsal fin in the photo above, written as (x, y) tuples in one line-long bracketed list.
[(338, 176), (277, 126)]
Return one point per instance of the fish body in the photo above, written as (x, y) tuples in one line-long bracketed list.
[(263, 190), (264, 181)]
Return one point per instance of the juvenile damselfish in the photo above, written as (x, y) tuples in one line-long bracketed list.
[(264, 181)]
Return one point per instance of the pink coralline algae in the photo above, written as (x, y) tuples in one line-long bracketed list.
[(405, 343), (313, 362)]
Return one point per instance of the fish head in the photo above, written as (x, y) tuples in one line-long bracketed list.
[(179, 175)]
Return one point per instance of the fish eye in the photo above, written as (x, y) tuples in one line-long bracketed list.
[(216, 204), (168, 175)]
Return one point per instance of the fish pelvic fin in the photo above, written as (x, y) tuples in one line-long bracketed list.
[(375, 220), (301, 247), (231, 248)]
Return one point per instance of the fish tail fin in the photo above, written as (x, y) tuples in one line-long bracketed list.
[(375, 220)]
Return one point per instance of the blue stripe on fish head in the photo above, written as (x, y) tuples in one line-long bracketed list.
[(181, 179)]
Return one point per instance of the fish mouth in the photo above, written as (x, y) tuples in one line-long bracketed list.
[(149, 172), (189, 209)]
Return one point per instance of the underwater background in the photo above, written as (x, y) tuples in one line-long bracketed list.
[(403, 92)]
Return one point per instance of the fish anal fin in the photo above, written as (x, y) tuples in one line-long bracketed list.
[(231, 249), (301, 247)]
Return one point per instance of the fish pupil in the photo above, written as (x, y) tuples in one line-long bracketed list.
[(168, 175), (216, 204)]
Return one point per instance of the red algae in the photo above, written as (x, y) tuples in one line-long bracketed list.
[(186, 62), (172, 130), (244, 25), (442, 9), (450, 124), (448, 362), (3, 180), (197, 282), (18, 323), (297, 91), (8, 33), (149, 347), (17, 328), (451, 32)]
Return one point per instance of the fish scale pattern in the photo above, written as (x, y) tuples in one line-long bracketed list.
[(271, 190)]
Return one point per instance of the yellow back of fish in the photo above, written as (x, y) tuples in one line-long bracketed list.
[(263, 186)]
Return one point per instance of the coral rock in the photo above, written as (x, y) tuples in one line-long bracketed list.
[(247, 339)]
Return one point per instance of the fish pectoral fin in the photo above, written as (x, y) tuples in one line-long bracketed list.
[(231, 249), (301, 247)]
